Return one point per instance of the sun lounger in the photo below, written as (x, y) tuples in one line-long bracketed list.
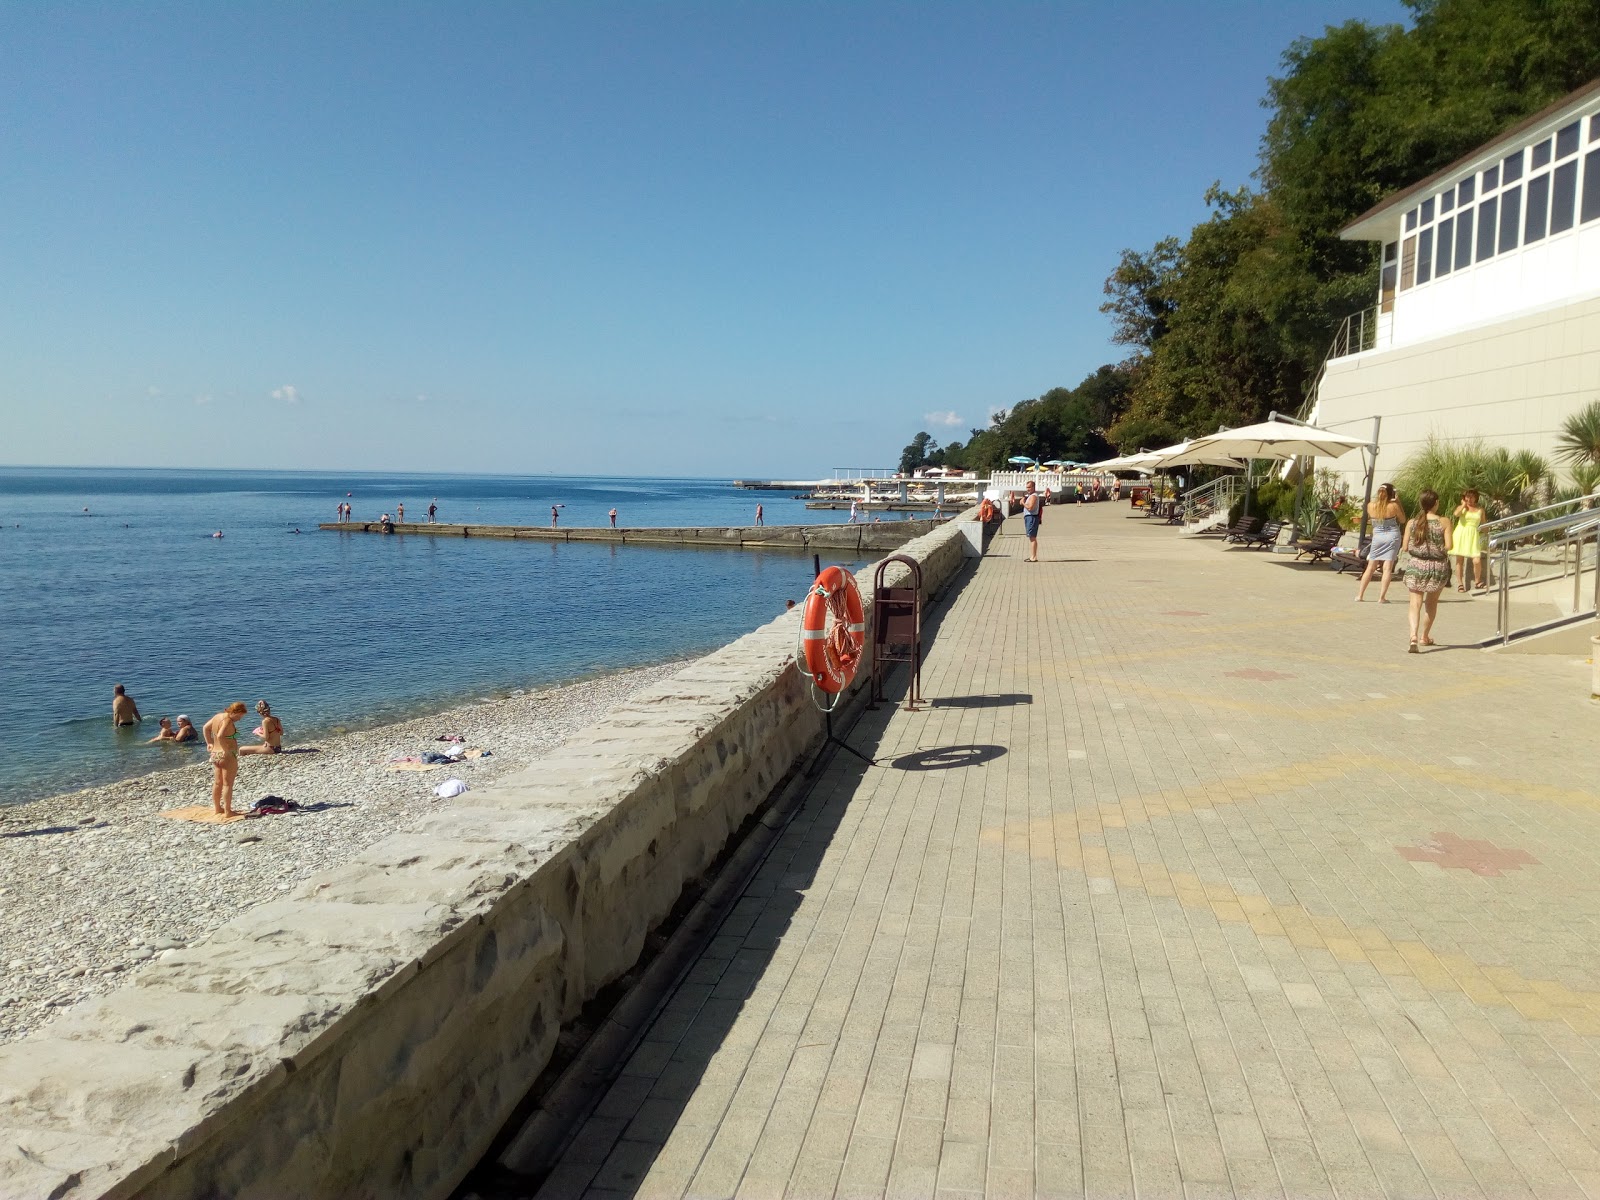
[(1266, 536), (1320, 545), (1241, 529)]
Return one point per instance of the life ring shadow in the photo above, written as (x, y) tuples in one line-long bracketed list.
[(945, 758)]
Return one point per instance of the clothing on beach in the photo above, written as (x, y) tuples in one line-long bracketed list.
[(1385, 541), (1428, 568), (1466, 539)]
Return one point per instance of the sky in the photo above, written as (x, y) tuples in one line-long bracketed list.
[(696, 239)]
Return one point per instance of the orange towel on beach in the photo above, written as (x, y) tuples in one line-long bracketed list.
[(201, 814), (415, 766)]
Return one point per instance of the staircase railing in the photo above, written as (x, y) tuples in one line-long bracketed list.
[(1204, 501), (1357, 332), (1542, 545)]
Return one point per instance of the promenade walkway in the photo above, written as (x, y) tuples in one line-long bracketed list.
[(1190, 883)]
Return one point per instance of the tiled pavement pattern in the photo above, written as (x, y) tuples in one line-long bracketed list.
[(1177, 890)]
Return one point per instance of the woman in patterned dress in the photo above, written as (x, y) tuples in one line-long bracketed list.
[(1427, 566)]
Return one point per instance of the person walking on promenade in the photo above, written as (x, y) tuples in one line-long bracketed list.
[(1387, 520), (222, 744), (433, 509), (270, 731), (1467, 540), (1427, 567), (123, 710), (1032, 506), (613, 515), (760, 510)]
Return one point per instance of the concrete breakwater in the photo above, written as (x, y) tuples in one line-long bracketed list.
[(371, 1032), (888, 535)]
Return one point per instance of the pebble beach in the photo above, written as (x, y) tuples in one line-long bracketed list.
[(95, 883)]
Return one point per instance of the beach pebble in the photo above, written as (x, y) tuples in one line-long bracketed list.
[(144, 885)]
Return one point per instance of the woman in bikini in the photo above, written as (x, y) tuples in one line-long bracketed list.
[(222, 742), (270, 731)]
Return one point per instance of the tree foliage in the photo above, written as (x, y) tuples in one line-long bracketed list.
[(1234, 320)]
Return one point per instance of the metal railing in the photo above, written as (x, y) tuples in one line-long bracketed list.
[(853, 473), (1200, 503), (1543, 545)]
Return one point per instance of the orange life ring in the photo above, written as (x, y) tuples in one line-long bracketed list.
[(986, 511), (831, 656)]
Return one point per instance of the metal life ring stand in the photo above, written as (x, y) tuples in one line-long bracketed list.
[(817, 694)]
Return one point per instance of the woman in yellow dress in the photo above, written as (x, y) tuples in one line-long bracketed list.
[(1467, 541)]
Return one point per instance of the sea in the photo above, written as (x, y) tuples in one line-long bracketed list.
[(114, 576)]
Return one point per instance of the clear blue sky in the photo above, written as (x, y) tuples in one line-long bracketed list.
[(687, 238)]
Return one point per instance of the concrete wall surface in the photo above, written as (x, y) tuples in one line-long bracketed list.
[(370, 1034), (1512, 384)]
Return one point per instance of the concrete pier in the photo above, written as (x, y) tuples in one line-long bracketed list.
[(889, 535)]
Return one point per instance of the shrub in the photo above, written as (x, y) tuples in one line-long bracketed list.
[(1506, 482), (1579, 441)]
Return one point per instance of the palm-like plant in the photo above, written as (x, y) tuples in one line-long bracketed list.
[(1579, 440)]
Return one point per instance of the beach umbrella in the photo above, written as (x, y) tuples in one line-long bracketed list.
[(1021, 460), (1192, 454), (1276, 439)]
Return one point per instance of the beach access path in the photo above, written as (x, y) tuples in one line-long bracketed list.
[(1189, 882)]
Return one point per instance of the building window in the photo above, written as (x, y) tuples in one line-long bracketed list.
[(1510, 217), (1486, 219), (1447, 200), (1427, 210), (1491, 179), (1411, 220), (1591, 186), (1541, 154), (1442, 258), (1463, 239), (1538, 208), (1511, 169), (1563, 194), (1464, 192), (1386, 281), (1567, 140), (1594, 128), (1425, 255), (1408, 263)]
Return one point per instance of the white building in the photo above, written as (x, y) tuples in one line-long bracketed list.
[(1488, 316)]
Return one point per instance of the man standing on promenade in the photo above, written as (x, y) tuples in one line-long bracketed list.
[(855, 511), (1032, 507), (433, 508), (123, 710), (759, 517), (613, 515), (400, 513)]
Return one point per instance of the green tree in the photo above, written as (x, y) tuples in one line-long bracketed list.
[(915, 456)]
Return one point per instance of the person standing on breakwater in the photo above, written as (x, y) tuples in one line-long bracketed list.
[(400, 513), (855, 511), (613, 515), (270, 731), (123, 710), (222, 743), (433, 509), (555, 514), (1032, 505), (760, 510)]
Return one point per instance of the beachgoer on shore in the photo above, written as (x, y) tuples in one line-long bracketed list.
[(1032, 506), (222, 744), (433, 509), (760, 515), (613, 515), (1468, 546), (1427, 567), (1387, 520), (270, 731), (166, 735), (123, 710), (186, 730)]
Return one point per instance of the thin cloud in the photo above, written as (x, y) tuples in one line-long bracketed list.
[(288, 393), (203, 398), (152, 391), (942, 418)]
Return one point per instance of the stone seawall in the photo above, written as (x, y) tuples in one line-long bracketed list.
[(859, 538), (369, 1034)]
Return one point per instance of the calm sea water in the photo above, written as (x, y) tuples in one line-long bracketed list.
[(335, 630)]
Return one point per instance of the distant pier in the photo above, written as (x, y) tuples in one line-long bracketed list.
[(864, 537)]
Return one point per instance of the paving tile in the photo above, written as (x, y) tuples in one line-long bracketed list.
[(1212, 924)]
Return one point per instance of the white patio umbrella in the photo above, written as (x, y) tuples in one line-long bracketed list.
[(1193, 454), (1144, 462), (1277, 439)]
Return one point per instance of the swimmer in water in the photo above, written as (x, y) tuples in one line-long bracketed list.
[(186, 730), (123, 710), (166, 734), (217, 534)]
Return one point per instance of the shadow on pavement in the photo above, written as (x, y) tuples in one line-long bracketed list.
[(945, 758), (993, 700)]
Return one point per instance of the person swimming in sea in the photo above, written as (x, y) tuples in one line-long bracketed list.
[(186, 732), (167, 733), (270, 731), (123, 710)]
